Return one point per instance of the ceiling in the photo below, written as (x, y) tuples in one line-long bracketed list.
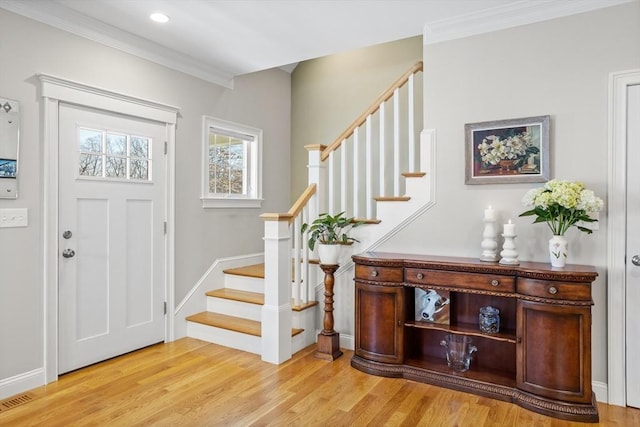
[(218, 39)]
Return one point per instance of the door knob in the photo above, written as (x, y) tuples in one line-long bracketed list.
[(636, 260), (67, 234), (68, 253)]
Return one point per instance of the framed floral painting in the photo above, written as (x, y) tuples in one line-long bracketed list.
[(507, 151)]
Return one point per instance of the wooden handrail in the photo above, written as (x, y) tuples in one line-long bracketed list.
[(302, 200), (418, 66), (295, 209)]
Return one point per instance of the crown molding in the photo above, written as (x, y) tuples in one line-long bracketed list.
[(63, 18), (508, 16)]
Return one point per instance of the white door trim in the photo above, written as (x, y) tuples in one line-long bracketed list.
[(617, 230), (53, 91)]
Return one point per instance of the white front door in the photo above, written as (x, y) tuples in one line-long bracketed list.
[(112, 275), (633, 247)]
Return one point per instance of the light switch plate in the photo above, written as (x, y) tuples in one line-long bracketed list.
[(18, 217)]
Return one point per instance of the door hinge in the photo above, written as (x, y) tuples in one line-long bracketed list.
[(165, 307), (165, 227), (165, 147)]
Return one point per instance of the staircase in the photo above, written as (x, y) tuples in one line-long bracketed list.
[(234, 312), (271, 309)]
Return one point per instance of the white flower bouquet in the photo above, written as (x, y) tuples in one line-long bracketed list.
[(562, 204)]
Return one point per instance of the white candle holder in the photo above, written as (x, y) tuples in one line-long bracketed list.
[(489, 243), (509, 253)]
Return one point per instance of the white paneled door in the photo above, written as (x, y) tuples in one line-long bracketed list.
[(112, 235), (633, 247)]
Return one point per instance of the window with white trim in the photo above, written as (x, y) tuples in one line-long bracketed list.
[(232, 165)]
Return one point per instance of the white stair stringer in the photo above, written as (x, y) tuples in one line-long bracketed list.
[(305, 319)]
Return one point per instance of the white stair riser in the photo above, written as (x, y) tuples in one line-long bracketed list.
[(244, 283), (224, 337), (229, 307)]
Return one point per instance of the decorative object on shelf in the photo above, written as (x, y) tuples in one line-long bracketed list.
[(328, 338), (489, 243), (432, 306), (509, 252), (459, 350), (507, 151), (562, 204), (489, 320), (328, 230)]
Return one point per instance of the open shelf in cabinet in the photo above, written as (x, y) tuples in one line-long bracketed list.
[(439, 365), (464, 329)]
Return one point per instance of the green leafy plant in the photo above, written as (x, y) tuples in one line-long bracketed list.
[(562, 204), (330, 230)]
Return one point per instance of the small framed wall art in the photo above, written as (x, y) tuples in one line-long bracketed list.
[(507, 151)]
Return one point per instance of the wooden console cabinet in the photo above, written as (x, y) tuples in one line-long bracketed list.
[(540, 359)]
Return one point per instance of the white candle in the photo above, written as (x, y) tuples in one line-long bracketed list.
[(510, 229), (489, 214)]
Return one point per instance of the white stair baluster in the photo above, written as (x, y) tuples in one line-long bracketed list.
[(396, 142), (356, 172), (369, 171), (382, 150), (343, 178), (332, 176), (411, 126)]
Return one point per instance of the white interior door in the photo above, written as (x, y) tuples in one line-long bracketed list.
[(112, 206), (633, 247)]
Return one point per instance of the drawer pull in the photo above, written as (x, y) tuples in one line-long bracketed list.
[(495, 282), (420, 276), (374, 273), (553, 290)]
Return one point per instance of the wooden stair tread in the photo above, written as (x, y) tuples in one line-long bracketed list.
[(413, 174), (304, 306), (392, 199), (256, 270), (237, 295), (367, 221), (232, 323)]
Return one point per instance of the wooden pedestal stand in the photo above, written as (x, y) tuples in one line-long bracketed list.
[(328, 339)]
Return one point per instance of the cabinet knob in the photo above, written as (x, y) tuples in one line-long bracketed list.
[(495, 282), (553, 290), (374, 273), (519, 340), (420, 276)]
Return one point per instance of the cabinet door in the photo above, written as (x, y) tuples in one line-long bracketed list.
[(554, 351), (379, 322)]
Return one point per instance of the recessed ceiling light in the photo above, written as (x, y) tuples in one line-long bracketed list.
[(159, 17)]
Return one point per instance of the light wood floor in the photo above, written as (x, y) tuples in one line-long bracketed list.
[(193, 383)]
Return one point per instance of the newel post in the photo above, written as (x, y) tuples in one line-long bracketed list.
[(276, 311)]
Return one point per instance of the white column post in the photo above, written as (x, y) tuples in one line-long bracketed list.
[(276, 311)]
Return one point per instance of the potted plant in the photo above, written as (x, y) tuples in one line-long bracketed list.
[(330, 232)]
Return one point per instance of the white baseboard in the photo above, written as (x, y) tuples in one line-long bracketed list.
[(601, 391), (21, 383)]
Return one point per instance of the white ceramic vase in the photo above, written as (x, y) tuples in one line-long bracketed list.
[(558, 251), (329, 254)]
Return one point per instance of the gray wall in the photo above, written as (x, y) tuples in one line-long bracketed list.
[(328, 93), (261, 100), (561, 68)]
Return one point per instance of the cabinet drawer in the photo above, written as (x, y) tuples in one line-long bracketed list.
[(484, 282), (379, 274), (554, 290)]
